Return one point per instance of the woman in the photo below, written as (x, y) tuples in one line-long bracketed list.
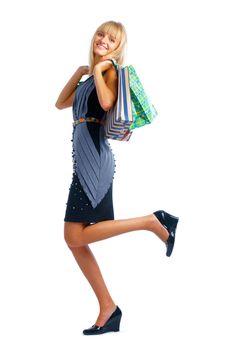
[(89, 213)]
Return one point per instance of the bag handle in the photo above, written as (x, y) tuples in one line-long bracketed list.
[(114, 64)]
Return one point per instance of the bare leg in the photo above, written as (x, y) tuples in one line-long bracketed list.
[(88, 265), (77, 235)]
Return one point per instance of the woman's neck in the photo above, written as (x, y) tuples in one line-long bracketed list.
[(97, 59)]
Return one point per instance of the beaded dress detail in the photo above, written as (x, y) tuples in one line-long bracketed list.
[(93, 160)]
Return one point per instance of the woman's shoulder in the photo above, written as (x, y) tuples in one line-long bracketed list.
[(110, 74)]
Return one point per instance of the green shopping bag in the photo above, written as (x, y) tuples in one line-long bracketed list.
[(143, 110)]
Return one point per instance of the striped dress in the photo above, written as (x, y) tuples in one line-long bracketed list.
[(90, 192)]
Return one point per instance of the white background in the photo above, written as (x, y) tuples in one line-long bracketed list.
[(182, 163)]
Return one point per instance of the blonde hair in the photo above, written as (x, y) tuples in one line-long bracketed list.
[(118, 31)]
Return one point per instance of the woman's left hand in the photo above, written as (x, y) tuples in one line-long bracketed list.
[(104, 64)]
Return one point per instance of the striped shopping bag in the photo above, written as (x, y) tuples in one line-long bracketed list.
[(119, 118)]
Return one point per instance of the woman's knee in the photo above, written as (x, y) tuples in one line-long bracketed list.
[(73, 233)]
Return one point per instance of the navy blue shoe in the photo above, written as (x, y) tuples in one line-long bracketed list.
[(111, 325), (169, 222)]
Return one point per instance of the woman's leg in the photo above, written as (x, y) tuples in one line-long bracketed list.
[(77, 235), (89, 266)]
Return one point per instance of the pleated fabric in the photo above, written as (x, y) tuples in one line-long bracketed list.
[(90, 195), (95, 171)]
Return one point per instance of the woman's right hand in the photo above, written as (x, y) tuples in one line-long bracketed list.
[(83, 70)]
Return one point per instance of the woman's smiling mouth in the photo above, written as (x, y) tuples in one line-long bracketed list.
[(102, 47)]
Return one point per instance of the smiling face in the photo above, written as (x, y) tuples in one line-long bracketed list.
[(109, 40), (104, 43)]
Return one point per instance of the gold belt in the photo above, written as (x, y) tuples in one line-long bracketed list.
[(87, 119)]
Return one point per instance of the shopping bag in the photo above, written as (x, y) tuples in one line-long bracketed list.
[(119, 118), (143, 110)]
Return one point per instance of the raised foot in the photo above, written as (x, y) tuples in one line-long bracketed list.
[(157, 228), (170, 223)]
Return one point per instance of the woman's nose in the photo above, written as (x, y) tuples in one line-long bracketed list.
[(104, 39)]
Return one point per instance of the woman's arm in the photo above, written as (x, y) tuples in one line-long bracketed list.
[(67, 94), (106, 89)]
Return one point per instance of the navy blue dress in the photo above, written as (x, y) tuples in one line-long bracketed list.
[(90, 192)]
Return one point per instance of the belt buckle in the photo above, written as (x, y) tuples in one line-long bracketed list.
[(77, 121), (91, 119)]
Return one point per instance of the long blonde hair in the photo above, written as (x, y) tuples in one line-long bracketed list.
[(117, 30)]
